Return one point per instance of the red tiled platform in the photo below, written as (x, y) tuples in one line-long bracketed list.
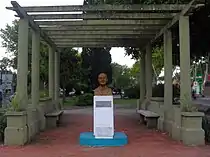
[(63, 142)]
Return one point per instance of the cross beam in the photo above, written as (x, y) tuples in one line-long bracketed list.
[(111, 16), (103, 22), (66, 33), (97, 44), (102, 37), (102, 28), (105, 7), (99, 40)]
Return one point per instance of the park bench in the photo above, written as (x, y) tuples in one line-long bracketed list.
[(53, 118), (148, 117)]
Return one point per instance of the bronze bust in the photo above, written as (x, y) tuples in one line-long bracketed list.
[(102, 89)]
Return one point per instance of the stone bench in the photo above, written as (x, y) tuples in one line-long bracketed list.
[(148, 117), (53, 119)]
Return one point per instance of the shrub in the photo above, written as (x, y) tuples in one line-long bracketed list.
[(85, 100), (176, 91), (14, 104), (3, 124), (43, 93), (132, 92), (158, 90), (206, 128)]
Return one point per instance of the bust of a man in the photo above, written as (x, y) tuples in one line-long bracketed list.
[(102, 89)]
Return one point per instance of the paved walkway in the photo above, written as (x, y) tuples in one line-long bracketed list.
[(63, 141)]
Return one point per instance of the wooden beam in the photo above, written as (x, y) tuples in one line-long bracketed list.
[(184, 12), (67, 33), (102, 28), (106, 7), (33, 25), (104, 22), (102, 37), (111, 16)]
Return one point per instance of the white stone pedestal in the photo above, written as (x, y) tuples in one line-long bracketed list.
[(103, 117)]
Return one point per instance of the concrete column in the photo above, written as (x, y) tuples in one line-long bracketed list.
[(57, 79), (35, 68), (51, 72), (148, 58), (191, 126), (184, 43), (168, 90), (142, 78), (22, 65)]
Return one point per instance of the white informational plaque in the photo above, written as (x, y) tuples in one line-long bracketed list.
[(103, 117)]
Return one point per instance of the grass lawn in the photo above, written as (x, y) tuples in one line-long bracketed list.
[(125, 101), (72, 101)]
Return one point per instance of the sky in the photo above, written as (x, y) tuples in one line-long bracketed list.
[(7, 16)]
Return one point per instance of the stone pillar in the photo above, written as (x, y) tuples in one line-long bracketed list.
[(51, 72), (32, 114), (191, 121), (22, 65), (35, 68), (142, 79), (148, 58), (16, 132), (168, 91), (184, 43), (57, 80)]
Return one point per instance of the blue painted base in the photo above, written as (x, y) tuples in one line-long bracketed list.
[(88, 139)]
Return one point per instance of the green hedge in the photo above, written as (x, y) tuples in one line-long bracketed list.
[(132, 93), (157, 91), (85, 100), (3, 124), (206, 128)]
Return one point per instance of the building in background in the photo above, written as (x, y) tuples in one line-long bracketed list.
[(6, 82)]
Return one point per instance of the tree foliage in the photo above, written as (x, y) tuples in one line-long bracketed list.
[(70, 69), (121, 76), (95, 61), (69, 57), (158, 59), (135, 71), (10, 41)]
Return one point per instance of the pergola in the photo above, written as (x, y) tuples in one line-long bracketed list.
[(103, 26)]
